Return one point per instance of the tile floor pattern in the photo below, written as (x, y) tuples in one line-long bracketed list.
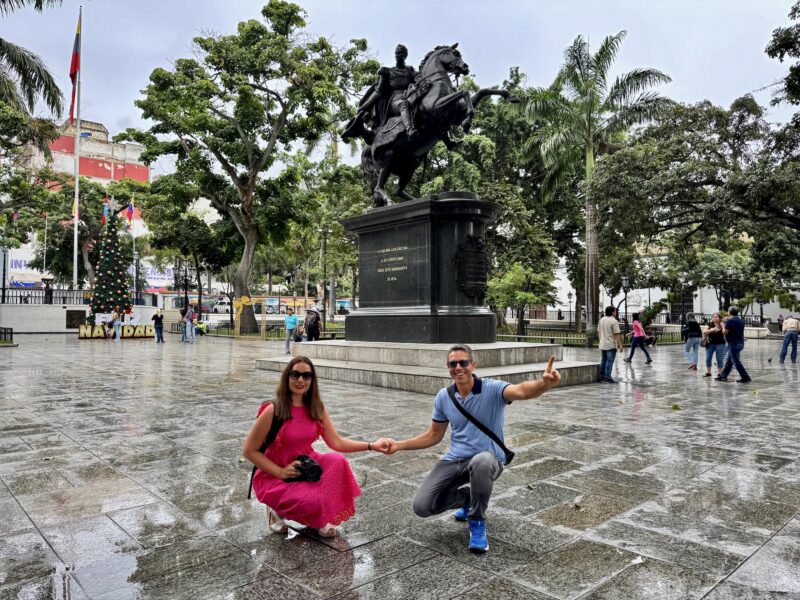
[(120, 478)]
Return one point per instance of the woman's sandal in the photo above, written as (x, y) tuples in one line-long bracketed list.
[(328, 531), (275, 523)]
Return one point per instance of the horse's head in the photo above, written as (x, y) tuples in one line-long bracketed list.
[(444, 58)]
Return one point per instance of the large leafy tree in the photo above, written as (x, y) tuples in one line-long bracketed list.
[(705, 178), (581, 115), (230, 115), (785, 45)]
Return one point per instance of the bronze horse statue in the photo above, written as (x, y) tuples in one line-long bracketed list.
[(436, 105)]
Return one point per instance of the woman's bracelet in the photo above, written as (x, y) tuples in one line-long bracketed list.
[(369, 446)]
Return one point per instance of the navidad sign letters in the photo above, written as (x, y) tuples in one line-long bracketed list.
[(90, 332)]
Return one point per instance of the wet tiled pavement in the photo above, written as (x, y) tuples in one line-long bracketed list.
[(120, 477)]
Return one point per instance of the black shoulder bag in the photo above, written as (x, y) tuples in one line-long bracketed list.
[(451, 391), (274, 428)]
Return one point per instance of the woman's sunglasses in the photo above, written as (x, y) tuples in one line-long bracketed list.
[(463, 363), (304, 375)]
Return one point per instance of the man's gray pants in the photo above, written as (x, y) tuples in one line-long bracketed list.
[(289, 338), (444, 488)]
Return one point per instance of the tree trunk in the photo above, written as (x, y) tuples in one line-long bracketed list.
[(87, 263), (520, 320), (199, 274), (332, 304), (241, 285), (305, 299), (592, 289), (355, 288)]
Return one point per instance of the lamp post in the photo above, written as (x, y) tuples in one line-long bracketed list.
[(569, 300), (135, 278), (730, 271), (324, 231), (625, 283)]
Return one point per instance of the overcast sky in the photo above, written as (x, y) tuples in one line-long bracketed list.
[(711, 48)]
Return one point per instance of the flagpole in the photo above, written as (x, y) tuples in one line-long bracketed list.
[(44, 260), (76, 206)]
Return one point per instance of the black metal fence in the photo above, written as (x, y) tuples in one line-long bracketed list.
[(567, 317), (6, 335), (41, 296)]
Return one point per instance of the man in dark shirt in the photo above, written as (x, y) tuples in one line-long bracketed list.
[(158, 321), (733, 328)]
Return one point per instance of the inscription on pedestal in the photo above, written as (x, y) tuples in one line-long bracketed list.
[(394, 267), (392, 262)]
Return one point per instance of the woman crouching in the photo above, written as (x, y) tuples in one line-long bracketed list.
[(322, 504)]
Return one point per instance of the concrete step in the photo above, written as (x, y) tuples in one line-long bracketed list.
[(426, 355), (430, 379)]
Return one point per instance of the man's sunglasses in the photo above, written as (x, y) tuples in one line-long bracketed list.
[(463, 363), (305, 375)]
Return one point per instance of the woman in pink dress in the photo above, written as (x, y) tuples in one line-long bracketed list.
[(320, 505)]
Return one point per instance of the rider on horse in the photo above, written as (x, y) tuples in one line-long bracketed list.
[(386, 97)]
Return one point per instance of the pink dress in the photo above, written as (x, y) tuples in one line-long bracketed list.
[(329, 500)]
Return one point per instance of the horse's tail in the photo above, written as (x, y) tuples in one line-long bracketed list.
[(369, 167)]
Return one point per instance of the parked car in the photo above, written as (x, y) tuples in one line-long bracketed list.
[(222, 306)]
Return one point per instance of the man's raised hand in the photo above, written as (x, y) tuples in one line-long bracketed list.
[(551, 376)]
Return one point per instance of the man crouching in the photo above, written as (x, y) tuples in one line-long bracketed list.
[(464, 477)]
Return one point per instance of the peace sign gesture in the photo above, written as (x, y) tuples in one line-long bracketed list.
[(551, 376)]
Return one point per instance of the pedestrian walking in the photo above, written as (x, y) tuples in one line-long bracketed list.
[(312, 323), (610, 342), (158, 322), (290, 323), (116, 322), (639, 338), (691, 348), (183, 324), (791, 329), (188, 322), (714, 340), (733, 328), (475, 410)]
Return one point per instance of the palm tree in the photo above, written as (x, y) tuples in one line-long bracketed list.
[(24, 77), (580, 116)]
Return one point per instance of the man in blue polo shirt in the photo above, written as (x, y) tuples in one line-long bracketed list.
[(290, 322), (733, 328), (464, 477)]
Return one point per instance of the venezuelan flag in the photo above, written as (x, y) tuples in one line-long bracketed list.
[(74, 68)]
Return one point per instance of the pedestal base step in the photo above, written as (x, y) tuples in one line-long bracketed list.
[(429, 380), (426, 355)]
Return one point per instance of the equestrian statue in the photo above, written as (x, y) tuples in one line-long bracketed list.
[(404, 114)]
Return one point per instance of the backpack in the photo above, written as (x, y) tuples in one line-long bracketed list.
[(273, 433)]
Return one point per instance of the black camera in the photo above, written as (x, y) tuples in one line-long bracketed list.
[(308, 468)]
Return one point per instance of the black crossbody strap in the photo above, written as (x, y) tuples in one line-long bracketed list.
[(273, 433), (451, 391)]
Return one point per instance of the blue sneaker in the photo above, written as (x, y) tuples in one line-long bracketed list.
[(477, 536), (462, 514)]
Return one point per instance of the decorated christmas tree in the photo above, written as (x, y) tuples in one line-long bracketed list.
[(110, 286)]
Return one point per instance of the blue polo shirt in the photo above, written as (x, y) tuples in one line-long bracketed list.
[(735, 328), (290, 322), (485, 402)]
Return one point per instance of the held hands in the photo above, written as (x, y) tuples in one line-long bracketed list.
[(381, 445), (384, 446), (289, 470), (551, 376)]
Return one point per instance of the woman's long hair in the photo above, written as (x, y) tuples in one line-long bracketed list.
[(311, 399)]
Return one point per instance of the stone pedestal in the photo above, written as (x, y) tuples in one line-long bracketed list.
[(422, 270), (420, 367)]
